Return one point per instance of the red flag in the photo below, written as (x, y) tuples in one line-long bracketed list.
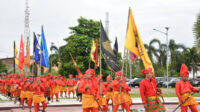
[(78, 70), (96, 55), (21, 55)]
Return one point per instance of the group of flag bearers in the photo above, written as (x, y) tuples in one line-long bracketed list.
[(95, 93), (90, 89), (36, 90)]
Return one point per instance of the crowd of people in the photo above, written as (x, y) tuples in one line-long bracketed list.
[(36, 90), (93, 92)]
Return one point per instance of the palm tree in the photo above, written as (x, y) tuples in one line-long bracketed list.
[(151, 50), (196, 31), (191, 59), (175, 56), (54, 58)]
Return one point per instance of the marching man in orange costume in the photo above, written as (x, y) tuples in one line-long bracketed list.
[(64, 87), (126, 95), (29, 93), (183, 90), (88, 87), (148, 92), (101, 94), (109, 91), (118, 97), (55, 88), (71, 83), (23, 92), (38, 94)]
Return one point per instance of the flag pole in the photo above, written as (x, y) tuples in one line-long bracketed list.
[(100, 57), (89, 62), (100, 51), (33, 53), (126, 63), (124, 49), (14, 56)]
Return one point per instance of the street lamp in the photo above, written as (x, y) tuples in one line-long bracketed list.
[(165, 33)]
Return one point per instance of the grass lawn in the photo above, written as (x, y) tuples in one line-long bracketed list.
[(135, 95), (1, 100)]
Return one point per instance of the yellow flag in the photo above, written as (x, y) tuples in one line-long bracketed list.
[(134, 42), (16, 52), (92, 53), (28, 59)]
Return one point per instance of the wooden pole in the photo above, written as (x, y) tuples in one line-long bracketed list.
[(100, 57)]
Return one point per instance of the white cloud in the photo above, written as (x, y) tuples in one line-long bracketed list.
[(58, 15)]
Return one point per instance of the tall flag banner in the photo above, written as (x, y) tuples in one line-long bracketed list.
[(21, 55), (78, 70), (115, 47), (92, 53), (16, 53), (107, 51), (28, 58), (44, 50), (36, 49), (134, 43)]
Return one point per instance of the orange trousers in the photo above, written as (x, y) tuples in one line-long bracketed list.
[(29, 101), (36, 106), (124, 105), (90, 109), (105, 108), (22, 100), (53, 95), (61, 92), (193, 108), (69, 92)]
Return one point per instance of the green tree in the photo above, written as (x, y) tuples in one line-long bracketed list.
[(79, 44), (192, 59), (54, 57), (176, 57), (152, 50), (3, 68), (157, 56), (196, 31)]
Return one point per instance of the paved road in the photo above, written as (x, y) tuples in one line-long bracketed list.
[(138, 108), (64, 108)]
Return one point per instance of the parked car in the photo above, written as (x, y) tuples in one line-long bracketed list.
[(161, 80), (194, 82), (171, 83), (127, 80), (135, 82)]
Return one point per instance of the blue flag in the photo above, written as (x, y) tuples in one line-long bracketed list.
[(44, 50), (36, 50)]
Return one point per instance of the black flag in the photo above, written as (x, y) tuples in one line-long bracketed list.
[(107, 51), (115, 47)]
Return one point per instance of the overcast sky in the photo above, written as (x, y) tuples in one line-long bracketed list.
[(57, 15)]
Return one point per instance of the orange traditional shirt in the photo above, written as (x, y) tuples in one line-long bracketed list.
[(147, 88), (184, 87)]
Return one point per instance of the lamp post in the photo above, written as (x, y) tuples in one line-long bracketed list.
[(165, 33)]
